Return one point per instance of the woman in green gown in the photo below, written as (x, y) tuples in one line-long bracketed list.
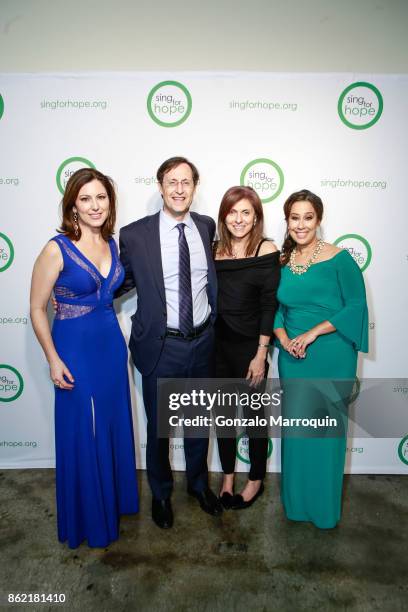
[(321, 324)]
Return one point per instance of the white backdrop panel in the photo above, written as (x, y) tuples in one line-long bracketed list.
[(340, 135)]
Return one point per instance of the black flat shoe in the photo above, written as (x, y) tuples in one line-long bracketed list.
[(162, 513), (238, 502), (208, 501), (226, 499)]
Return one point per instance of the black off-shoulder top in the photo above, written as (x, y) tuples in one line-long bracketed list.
[(247, 293)]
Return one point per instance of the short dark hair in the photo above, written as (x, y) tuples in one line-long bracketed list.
[(75, 183), (172, 163)]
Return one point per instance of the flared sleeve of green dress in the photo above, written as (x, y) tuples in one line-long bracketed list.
[(352, 320)]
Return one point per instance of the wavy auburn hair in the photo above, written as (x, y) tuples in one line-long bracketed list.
[(75, 183), (304, 195), (230, 198)]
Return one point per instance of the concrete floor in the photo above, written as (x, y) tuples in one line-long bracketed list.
[(253, 560)]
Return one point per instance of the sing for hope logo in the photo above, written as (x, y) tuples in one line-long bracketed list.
[(403, 450), (11, 383), (243, 448), (358, 247), (6, 252), (360, 105), (68, 167), (169, 103), (265, 176)]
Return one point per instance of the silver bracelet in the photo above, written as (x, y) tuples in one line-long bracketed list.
[(264, 345)]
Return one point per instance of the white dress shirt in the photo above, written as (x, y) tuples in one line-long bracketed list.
[(169, 235)]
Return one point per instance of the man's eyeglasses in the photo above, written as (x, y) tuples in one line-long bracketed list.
[(185, 184)]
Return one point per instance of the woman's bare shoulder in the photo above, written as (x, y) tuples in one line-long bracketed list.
[(267, 247)]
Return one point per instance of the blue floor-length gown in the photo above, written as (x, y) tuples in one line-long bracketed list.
[(95, 455)]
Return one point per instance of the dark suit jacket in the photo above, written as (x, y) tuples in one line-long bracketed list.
[(141, 257)]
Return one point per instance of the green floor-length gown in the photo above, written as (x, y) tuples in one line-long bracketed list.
[(312, 467)]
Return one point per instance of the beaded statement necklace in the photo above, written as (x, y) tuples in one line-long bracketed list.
[(302, 268)]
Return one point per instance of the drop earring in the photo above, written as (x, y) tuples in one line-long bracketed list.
[(76, 226)]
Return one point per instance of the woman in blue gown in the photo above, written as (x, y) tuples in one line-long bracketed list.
[(87, 354)]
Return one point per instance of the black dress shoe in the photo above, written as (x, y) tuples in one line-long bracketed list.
[(238, 502), (226, 499), (162, 513), (207, 500)]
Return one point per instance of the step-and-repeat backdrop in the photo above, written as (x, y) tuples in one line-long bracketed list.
[(341, 135)]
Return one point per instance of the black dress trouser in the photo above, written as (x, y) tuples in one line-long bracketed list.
[(233, 353), (180, 358)]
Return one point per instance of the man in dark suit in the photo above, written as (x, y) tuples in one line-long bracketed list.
[(168, 258)]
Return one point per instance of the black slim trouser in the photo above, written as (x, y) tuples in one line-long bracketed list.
[(233, 353)]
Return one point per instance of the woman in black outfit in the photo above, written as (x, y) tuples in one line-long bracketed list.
[(248, 274)]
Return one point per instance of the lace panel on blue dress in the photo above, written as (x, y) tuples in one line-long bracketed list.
[(115, 276), (71, 311), (61, 291)]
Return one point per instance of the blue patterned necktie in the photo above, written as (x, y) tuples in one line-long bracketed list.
[(185, 296)]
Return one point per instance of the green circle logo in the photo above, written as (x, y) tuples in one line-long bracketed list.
[(169, 103), (11, 383), (265, 176), (243, 448), (358, 247), (1, 106), (68, 167), (360, 105), (6, 252), (403, 450)]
